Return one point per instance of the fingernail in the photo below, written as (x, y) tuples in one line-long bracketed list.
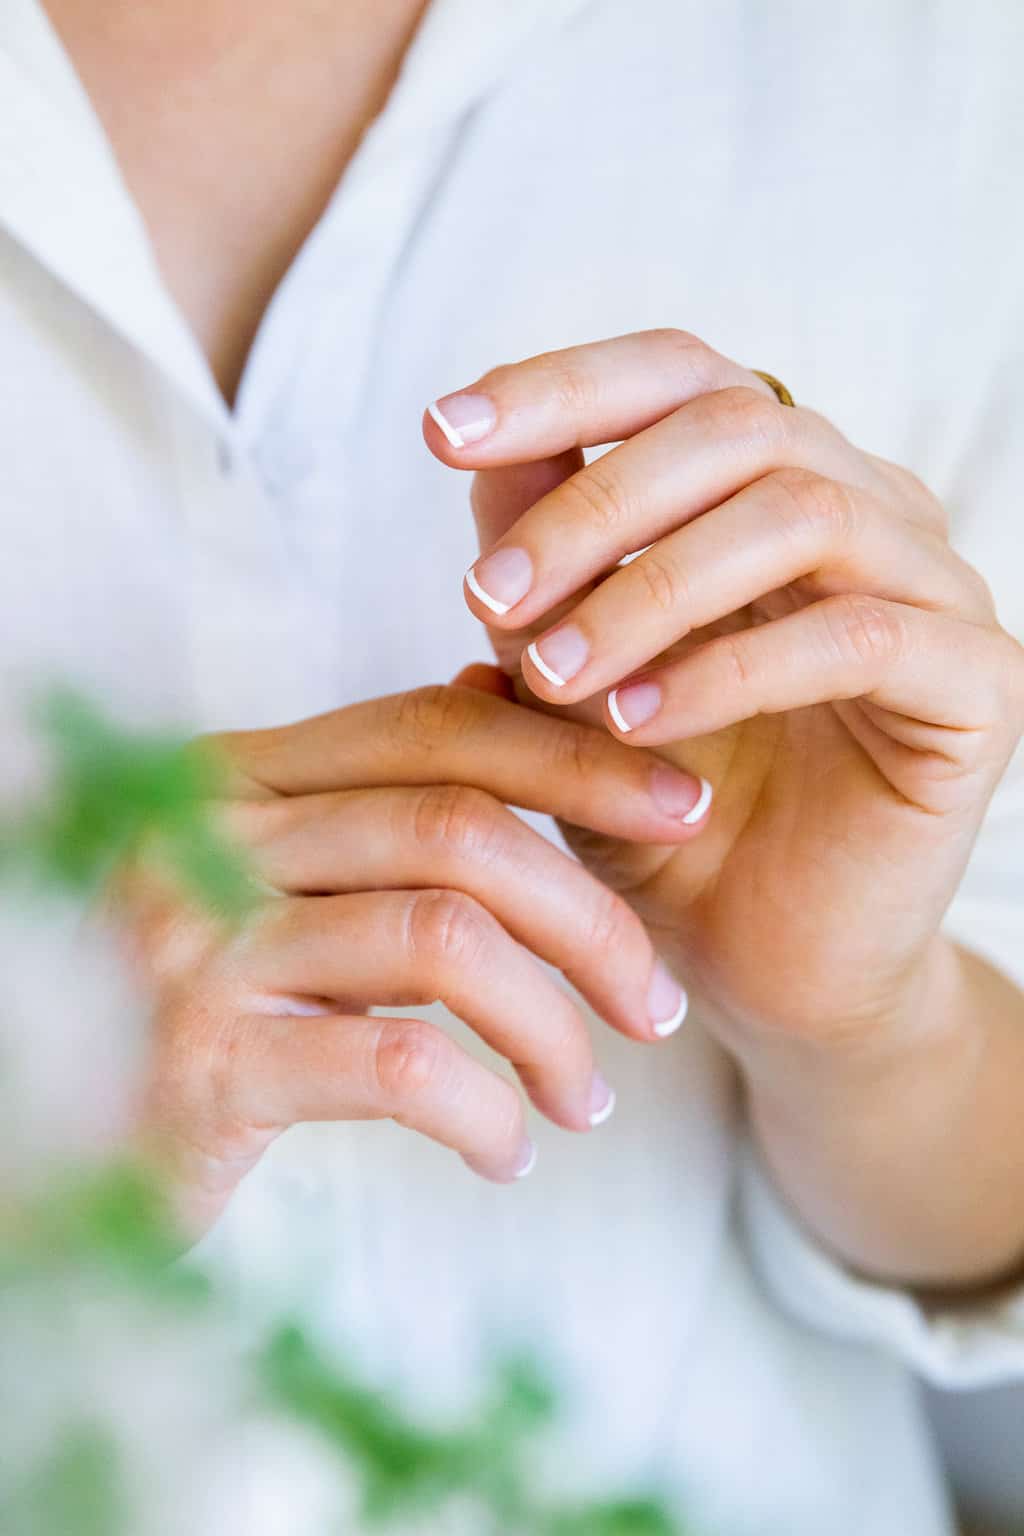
[(501, 579), (527, 1160), (464, 419), (634, 705), (679, 794), (666, 1001), (560, 655), (602, 1100)]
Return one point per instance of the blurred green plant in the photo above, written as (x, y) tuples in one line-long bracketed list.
[(114, 793)]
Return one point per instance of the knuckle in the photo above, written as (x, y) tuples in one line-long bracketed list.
[(736, 660), (447, 927), (220, 1057), (862, 629), (699, 363), (812, 506), (662, 583), (578, 752), (572, 387), (747, 416), (458, 818), (611, 924), (424, 717), (407, 1059), (596, 499)]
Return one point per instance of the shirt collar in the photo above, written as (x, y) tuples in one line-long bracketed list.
[(63, 198)]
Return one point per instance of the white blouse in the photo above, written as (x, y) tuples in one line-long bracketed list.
[(827, 190)]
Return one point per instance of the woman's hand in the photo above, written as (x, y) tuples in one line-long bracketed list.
[(797, 631), (399, 877)]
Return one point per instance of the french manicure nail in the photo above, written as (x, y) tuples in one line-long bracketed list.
[(500, 580), (701, 807), (560, 655), (464, 419), (679, 794), (634, 705), (666, 1001), (527, 1161), (602, 1100)]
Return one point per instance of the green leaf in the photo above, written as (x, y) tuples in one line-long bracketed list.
[(76, 1488), (115, 792)]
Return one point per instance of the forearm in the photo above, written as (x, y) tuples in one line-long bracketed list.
[(907, 1158)]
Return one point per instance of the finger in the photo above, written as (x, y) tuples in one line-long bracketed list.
[(927, 668), (289, 1070), (666, 476), (788, 527), (499, 498), (399, 949), (486, 679), (462, 840), (578, 397), (463, 736)]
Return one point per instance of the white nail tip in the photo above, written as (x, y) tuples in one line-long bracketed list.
[(454, 437), (529, 1165), (702, 804), (601, 1115), (485, 597), (616, 712), (543, 668), (669, 1026)]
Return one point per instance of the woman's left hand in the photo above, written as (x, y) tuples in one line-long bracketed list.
[(797, 630)]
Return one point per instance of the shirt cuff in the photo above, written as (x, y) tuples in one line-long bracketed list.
[(961, 1347)]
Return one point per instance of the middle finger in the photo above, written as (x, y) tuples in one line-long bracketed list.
[(788, 527), (655, 482), (462, 839)]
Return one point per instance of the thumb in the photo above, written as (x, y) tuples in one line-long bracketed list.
[(499, 498), (485, 679)]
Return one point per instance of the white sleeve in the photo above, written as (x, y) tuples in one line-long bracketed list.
[(966, 1346), (963, 1347)]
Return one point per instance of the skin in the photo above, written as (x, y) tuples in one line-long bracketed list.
[(822, 656), (233, 123), (838, 676), (396, 876)]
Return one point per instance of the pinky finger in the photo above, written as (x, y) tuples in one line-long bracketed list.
[(930, 667), (292, 1069)]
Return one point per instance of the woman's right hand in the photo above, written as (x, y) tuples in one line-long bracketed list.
[(397, 876)]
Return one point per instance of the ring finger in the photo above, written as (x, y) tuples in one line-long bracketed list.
[(404, 948), (287, 1070), (464, 840), (789, 526)]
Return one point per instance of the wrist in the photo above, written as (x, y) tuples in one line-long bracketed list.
[(919, 1016), (881, 1135)]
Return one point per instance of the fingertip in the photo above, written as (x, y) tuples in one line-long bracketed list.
[(521, 1166), (614, 719), (484, 677), (455, 423)]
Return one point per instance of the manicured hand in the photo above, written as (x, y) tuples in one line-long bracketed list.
[(396, 876), (798, 632)]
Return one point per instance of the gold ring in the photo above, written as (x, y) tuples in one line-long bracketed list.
[(782, 393)]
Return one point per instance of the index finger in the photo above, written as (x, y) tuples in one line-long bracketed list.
[(577, 398), (452, 735)]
